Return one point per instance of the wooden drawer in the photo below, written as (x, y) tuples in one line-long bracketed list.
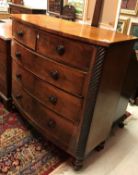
[(61, 76), (52, 125), (2, 47), (3, 57), (3, 80), (65, 50), (14, 11), (3, 85), (3, 66), (24, 34), (18, 10), (63, 103)]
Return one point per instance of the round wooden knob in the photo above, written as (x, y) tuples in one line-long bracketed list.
[(20, 33), (60, 49), (18, 55), (54, 75), (18, 97), (53, 99), (18, 76), (51, 123)]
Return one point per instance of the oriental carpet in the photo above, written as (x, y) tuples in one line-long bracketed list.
[(23, 151)]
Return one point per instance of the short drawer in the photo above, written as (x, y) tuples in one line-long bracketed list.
[(59, 75), (57, 100), (73, 53), (24, 34), (52, 125)]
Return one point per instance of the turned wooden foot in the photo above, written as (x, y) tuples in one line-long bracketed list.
[(13, 108), (121, 125), (100, 146), (7, 102), (121, 121), (77, 164)]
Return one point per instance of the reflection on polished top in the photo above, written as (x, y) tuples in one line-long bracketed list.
[(74, 30), (6, 29)]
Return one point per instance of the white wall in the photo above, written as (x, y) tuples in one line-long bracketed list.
[(36, 3), (89, 10), (131, 18), (110, 14)]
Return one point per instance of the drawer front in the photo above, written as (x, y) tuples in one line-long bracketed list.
[(3, 64), (3, 69), (47, 121), (67, 51), (18, 10), (3, 47), (66, 105), (14, 11), (61, 76), (3, 57), (3, 85), (24, 34)]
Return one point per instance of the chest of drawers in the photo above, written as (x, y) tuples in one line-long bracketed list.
[(15, 8), (67, 79), (5, 62)]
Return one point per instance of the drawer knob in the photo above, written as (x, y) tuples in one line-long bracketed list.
[(20, 33), (18, 55), (18, 97), (54, 75), (51, 123), (18, 76), (52, 99), (60, 49)]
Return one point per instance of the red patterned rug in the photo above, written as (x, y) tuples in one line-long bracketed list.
[(23, 151)]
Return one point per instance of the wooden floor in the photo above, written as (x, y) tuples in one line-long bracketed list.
[(120, 156)]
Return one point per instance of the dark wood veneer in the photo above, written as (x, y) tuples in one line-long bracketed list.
[(24, 34), (89, 78), (67, 79), (65, 51), (19, 8), (71, 30), (52, 124), (64, 103), (5, 63)]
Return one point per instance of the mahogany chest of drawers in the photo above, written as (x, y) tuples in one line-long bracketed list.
[(19, 8), (5, 61), (67, 79)]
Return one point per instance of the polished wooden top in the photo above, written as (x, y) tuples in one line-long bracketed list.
[(6, 29), (74, 30)]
